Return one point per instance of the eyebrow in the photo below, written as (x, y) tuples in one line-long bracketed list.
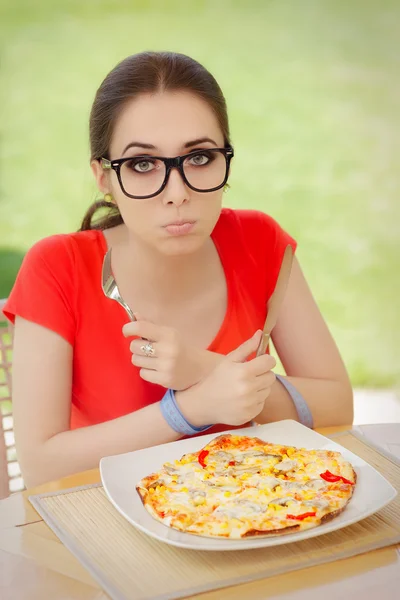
[(138, 145), (200, 141), (187, 145)]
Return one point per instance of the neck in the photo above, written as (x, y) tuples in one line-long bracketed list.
[(160, 275)]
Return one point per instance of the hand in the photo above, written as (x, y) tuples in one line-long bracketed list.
[(175, 364), (234, 392)]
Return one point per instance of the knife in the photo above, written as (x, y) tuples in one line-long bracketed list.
[(275, 301)]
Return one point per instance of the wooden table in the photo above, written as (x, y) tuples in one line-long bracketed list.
[(34, 565)]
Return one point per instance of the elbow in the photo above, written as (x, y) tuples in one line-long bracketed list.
[(31, 480), (32, 472), (36, 467)]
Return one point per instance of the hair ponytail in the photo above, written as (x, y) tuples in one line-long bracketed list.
[(111, 218)]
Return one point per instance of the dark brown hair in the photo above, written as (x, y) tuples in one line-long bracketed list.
[(148, 72)]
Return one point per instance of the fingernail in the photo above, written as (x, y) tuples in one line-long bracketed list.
[(126, 329)]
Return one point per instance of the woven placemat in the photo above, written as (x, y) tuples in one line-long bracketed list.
[(130, 565)]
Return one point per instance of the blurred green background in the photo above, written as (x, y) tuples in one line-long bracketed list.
[(313, 92)]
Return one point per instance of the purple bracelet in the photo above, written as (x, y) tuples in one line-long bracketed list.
[(302, 409)]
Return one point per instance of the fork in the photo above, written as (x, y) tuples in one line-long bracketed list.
[(110, 287)]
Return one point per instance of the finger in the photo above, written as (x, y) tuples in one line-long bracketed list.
[(263, 394), (259, 407), (137, 347), (153, 377), (242, 352), (260, 364), (261, 397), (139, 317), (261, 401), (145, 362), (143, 329), (258, 402), (264, 382)]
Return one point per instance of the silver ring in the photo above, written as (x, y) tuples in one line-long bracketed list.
[(148, 349)]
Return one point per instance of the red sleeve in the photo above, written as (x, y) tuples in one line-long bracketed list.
[(44, 290), (279, 239), (265, 241)]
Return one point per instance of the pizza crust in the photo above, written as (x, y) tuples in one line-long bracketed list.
[(233, 474), (261, 532)]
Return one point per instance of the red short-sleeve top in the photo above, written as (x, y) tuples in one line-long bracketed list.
[(59, 287)]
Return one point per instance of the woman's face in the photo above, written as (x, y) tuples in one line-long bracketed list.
[(179, 219)]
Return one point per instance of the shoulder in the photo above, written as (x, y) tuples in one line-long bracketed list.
[(253, 243), (61, 249), (59, 259), (47, 285), (246, 219), (252, 228)]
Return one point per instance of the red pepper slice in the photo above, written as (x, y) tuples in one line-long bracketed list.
[(328, 476), (232, 463), (203, 454), (301, 517)]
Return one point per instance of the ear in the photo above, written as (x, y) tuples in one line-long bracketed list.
[(101, 176)]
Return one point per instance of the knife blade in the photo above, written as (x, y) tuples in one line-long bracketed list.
[(275, 301)]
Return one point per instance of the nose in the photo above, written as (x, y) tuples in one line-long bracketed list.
[(175, 192)]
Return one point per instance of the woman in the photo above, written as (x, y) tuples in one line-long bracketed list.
[(86, 382)]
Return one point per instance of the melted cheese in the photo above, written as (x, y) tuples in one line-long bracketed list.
[(240, 491)]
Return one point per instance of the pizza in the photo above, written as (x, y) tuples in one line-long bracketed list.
[(240, 486)]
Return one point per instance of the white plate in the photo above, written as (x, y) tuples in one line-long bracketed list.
[(120, 475)]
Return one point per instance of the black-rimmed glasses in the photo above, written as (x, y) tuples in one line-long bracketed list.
[(144, 176)]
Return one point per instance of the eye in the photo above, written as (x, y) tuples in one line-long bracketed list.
[(200, 160), (141, 165)]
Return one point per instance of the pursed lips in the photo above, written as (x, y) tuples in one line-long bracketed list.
[(181, 222), (179, 228)]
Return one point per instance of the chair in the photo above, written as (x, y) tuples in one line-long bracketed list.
[(10, 475)]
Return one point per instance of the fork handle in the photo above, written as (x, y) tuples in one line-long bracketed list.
[(128, 311), (131, 315)]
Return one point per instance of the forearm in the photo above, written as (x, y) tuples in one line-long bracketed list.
[(330, 402), (81, 449)]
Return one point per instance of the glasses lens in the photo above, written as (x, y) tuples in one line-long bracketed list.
[(206, 169), (142, 176)]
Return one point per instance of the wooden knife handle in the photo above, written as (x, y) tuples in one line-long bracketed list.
[(262, 348)]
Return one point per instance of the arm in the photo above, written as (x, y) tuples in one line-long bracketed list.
[(311, 360), (47, 448), (42, 372)]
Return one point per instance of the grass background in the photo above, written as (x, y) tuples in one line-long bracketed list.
[(313, 92)]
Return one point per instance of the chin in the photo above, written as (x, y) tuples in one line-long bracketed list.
[(182, 245)]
